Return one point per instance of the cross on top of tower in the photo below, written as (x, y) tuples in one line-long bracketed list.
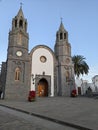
[(61, 19), (21, 4)]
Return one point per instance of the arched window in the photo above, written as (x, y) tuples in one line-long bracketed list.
[(25, 26), (61, 36), (21, 23), (64, 35), (17, 74), (15, 23)]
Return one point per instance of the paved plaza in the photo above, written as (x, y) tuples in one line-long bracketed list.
[(79, 111)]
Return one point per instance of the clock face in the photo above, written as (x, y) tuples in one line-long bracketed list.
[(19, 53)]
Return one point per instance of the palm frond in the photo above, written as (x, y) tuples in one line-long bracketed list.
[(80, 66)]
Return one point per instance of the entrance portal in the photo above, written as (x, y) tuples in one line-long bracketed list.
[(42, 88)]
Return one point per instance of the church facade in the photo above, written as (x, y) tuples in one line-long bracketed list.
[(49, 73)]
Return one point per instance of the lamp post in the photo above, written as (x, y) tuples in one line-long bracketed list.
[(36, 77)]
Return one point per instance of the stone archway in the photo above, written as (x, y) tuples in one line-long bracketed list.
[(42, 88)]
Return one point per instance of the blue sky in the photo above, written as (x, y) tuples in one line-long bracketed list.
[(80, 18)]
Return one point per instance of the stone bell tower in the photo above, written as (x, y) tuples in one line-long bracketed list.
[(18, 64), (65, 67)]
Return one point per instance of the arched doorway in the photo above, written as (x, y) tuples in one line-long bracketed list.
[(42, 88)]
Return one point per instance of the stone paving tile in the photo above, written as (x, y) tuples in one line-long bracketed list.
[(10, 122)]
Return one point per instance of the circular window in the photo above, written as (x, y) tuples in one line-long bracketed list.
[(43, 59)]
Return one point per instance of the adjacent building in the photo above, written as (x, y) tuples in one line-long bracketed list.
[(83, 86), (95, 82)]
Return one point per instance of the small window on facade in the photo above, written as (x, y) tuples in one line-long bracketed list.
[(61, 36), (15, 23), (20, 23), (64, 35), (17, 74)]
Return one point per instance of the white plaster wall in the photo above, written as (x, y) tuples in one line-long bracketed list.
[(96, 81), (78, 83), (38, 67), (81, 83)]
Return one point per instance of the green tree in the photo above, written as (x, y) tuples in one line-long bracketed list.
[(80, 66)]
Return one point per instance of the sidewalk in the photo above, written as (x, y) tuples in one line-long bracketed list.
[(78, 111)]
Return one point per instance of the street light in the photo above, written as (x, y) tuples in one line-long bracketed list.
[(37, 76)]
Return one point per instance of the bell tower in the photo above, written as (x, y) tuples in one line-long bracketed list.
[(18, 63), (65, 67), (18, 36)]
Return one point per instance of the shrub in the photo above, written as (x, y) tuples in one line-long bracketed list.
[(32, 96), (74, 93)]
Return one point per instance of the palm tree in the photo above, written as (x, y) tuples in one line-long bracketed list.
[(80, 66)]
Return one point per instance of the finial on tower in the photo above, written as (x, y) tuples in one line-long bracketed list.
[(61, 25), (21, 4), (61, 19)]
